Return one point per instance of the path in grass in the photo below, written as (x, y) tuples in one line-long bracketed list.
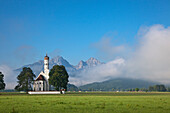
[(87, 102)]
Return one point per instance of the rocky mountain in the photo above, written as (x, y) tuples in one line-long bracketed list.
[(37, 67), (87, 64)]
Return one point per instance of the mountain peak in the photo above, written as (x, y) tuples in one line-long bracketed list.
[(81, 65), (92, 58), (89, 63), (93, 62), (59, 60)]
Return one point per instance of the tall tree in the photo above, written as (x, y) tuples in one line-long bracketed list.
[(2, 84), (58, 77), (25, 80)]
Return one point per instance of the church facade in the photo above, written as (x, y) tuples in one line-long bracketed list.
[(41, 83)]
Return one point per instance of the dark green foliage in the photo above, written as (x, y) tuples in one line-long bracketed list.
[(118, 84), (157, 88), (58, 77), (137, 89), (2, 84), (25, 80), (72, 87)]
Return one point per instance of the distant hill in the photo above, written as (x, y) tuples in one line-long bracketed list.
[(72, 87), (118, 83)]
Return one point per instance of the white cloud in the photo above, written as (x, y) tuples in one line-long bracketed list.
[(9, 76), (150, 59)]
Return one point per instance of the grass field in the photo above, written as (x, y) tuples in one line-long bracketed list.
[(108, 102)]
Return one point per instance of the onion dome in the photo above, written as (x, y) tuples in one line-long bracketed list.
[(46, 57)]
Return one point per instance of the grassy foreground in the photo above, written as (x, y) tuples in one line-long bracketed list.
[(108, 102)]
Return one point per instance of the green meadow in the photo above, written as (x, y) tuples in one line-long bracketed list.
[(90, 102)]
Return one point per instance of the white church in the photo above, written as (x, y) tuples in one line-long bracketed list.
[(41, 83)]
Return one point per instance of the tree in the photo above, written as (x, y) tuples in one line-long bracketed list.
[(2, 84), (136, 89), (157, 88), (25, 80), (58, 77)]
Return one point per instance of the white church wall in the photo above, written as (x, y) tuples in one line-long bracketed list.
[(44, 92)]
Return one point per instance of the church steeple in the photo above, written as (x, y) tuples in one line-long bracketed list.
[(46, 64)]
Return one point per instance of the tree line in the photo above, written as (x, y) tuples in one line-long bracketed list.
[(158, 88)]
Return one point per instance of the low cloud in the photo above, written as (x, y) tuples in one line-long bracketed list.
[(149, 60), (9, 76), (99, 73), (22, 55)]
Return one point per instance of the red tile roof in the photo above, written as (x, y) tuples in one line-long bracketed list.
[(41, 77)]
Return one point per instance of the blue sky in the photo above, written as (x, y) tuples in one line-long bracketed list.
[(29, 28)]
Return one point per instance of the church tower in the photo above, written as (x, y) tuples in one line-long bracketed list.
[(41, 83), (46, 66)]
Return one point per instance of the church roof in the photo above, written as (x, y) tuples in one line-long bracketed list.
[(41, 77)]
